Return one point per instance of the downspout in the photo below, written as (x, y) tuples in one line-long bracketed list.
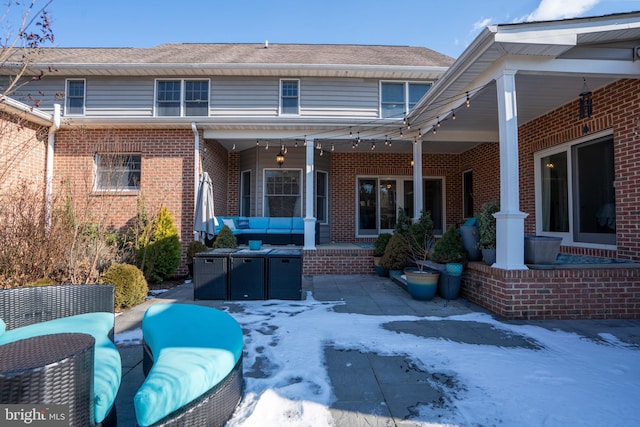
[(197, 165), (49, 164)]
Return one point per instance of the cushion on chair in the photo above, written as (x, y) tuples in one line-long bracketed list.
[(3, 326), (259, 222), (297, 224), (193, 347), (283, 224), (107, 363)]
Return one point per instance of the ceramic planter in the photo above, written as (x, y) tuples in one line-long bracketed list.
[(449, 286), (422, 285)]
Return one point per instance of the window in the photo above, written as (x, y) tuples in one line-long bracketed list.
[(117, 172), (282, 192), (467, 194), (575, 194), (182, 98), (380, 198), (322, 197), (74, 100), (398, 98), (289, 98), (245, 191)]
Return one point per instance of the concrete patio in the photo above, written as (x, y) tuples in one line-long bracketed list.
[(389, 379)]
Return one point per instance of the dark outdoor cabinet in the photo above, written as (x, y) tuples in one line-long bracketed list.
[(284, 280), (247, 274), (211, 274)]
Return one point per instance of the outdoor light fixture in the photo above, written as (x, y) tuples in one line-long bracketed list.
[(586, 103), (280, 159)]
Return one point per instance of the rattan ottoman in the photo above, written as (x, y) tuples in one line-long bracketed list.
[(50, 369)]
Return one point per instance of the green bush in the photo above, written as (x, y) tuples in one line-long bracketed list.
[(195, 247), (449, 248), (487, 225), (130, 285), (225, 239), (160, 250), (396, 253), (381, 243)]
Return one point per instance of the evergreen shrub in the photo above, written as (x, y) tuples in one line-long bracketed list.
[(130, 285)]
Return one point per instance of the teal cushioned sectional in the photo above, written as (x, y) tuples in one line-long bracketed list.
[(193, 347), (107, 363)]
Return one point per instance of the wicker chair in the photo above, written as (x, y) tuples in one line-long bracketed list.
[(31, 305)]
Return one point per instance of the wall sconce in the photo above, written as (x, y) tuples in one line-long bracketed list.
[(280, 158), (586, 103)]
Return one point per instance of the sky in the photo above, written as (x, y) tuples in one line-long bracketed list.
[(445, 26), (566, 380)]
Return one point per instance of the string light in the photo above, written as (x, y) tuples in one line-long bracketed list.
[(468, 100), (438, 121), (434, 130), (453, 115), (373, 146), (419, 133)]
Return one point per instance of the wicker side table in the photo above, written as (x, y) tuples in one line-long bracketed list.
[(50, 369)]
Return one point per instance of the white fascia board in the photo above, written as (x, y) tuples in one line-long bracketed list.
[(35, 115), (550, 66)]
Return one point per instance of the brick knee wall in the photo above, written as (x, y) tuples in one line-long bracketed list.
[(589, 293)]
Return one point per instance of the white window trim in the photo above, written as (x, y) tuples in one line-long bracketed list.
[(399, 203), (66, 97), (242, 189), (567, 237), (326, 207), (302, 187), (182, 95), (280, 113), (406, 84), (128, 191), (463, 188)]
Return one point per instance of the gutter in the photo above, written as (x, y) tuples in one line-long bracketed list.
[(49, 165), (197, 164)]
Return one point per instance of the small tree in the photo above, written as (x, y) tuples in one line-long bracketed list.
[(449, 248), (381, 243), (396, 253), (160, 250), (195, 247), (420, 239), (225, 238), (487, 225)]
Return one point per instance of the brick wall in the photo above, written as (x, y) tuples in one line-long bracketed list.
[(23, 153), (338, 261), (215, 163), (346, 167), (167, 173), (615, 107), (577, 293)]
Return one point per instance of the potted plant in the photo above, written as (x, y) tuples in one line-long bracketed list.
[(378, 250), (450, 251), (421, 281), (395, 255), (194, 247), (487, 230), (225, 238)]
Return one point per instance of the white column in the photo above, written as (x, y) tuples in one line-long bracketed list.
[(309, 218), (418, 202), (509, 221)]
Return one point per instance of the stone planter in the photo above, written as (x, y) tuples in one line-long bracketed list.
[(541, 250)]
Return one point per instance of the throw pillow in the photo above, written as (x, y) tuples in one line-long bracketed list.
[(229, 222), (243, 223)]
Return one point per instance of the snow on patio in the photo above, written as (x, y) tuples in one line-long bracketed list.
[(563, 379)]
